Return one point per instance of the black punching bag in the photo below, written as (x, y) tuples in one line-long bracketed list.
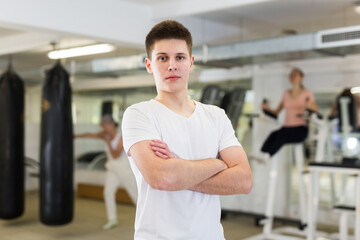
[(11, 145), (56, 154)]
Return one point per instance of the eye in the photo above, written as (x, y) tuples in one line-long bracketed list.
[(180, 57), (162, 58)]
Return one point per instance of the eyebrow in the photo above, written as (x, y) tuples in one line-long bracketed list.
[(163, 53)]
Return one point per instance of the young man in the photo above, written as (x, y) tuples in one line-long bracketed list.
[(173, 143)]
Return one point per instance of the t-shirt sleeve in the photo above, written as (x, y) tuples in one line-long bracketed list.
[(227, 136), (136, 127)]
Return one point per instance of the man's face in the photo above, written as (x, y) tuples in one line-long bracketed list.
[(171, 65)]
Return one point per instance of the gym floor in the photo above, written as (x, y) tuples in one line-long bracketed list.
[(88, 221), (89, 218)]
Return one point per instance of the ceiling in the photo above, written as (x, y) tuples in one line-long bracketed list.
[(5, 32), (27, 36), (270, 19)]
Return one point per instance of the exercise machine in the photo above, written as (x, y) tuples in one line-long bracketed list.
[(348, 165), (289, 233)]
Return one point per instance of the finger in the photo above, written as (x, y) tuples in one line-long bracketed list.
[(155, 141), (159, 144), (163, 151), (159, 154), (159, 141)]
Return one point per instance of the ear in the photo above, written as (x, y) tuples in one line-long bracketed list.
[(192, 59), (148, 65)]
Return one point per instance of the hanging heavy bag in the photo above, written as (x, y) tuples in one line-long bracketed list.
[(56, 154), (11, 145)]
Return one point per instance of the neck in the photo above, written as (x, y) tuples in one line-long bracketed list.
[(173, 100), (177, 102), (296, 88)]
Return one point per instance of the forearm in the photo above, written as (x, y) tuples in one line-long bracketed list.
[(87, 135), (278, 109), (115, 153), (228, 182), (180, 174), (272, 111), (313, 106), (172, 174)]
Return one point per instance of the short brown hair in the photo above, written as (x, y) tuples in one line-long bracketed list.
[(168, 29)]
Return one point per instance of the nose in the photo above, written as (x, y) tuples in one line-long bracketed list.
[(172, 65)]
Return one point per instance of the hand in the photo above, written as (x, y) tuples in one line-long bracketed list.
[(264, 106), (161, 149), (105, 136)]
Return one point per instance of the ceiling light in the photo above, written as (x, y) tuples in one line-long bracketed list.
[(81, 51), (357, 7)]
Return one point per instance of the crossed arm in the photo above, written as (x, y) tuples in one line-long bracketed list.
[(163, 171), (236, 179)]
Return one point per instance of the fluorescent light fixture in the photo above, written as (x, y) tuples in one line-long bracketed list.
[(81, 51), (355, 90)]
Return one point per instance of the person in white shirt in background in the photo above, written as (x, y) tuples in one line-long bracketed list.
[(173, 144), (118, 173)]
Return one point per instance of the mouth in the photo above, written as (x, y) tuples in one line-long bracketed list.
[(173, 78)]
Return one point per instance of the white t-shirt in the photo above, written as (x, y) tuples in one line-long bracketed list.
[(114, 142), (177, 215)]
